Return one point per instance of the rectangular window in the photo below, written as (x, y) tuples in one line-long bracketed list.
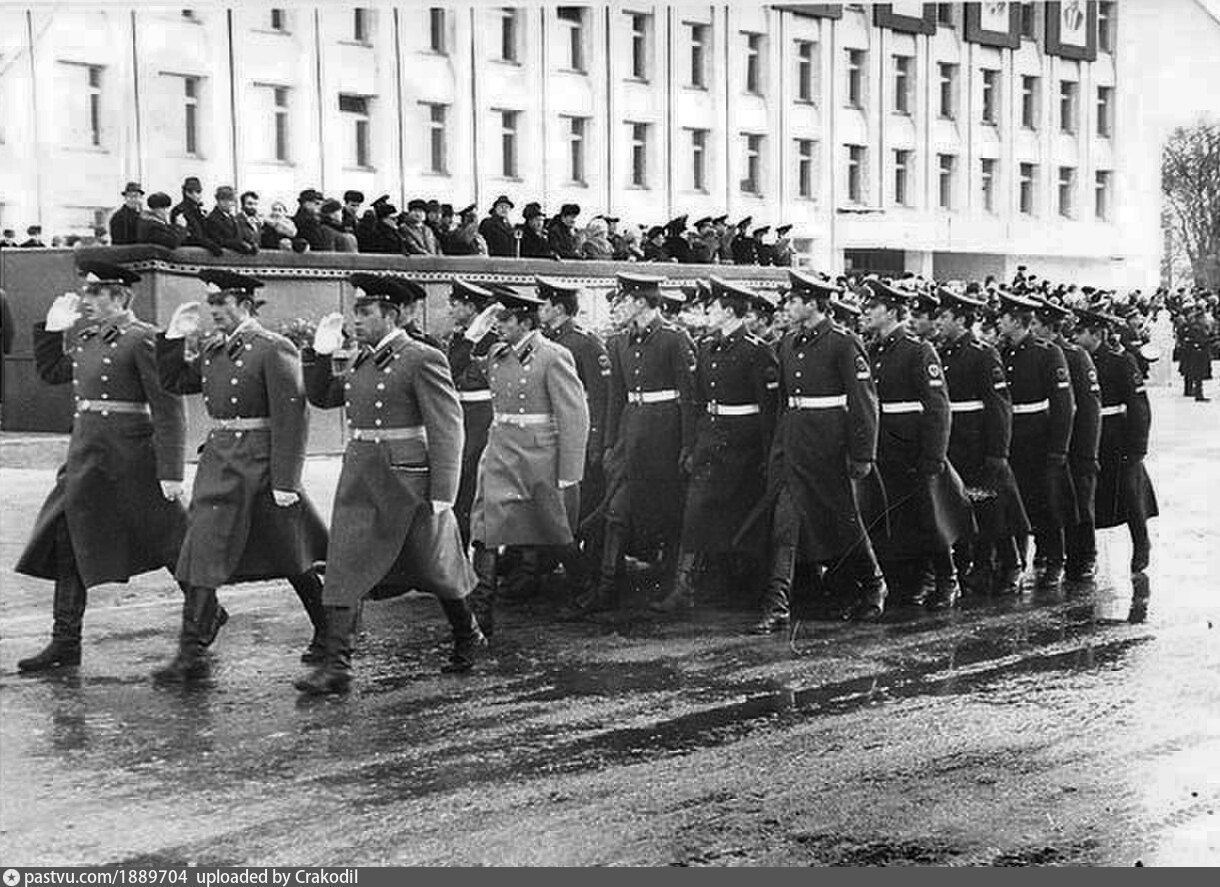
[(639, 154), (640, 30), (698, 159), (855, 78), (904, 66), (1067, 191), (508, 143), (1105, 26), (508, 34), (902, 176), (577, 127), (987, 183), (1101, 195), (1067, 105), (438, 139), (948, 90), (944, 14), (279, 20), (855, 173), (804, 71), (751, 183), (946, 165), (279, 97), (355, 109), (360, 24), (438, 31), (804, 168), (991, 96), (1028, 189), (1105, 111), (1029, 21), (1029, 102), (698, 56), (95, 105), (754, 62), (574, 18), (190, 106)]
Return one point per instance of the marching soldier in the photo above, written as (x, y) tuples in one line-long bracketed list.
[(393, 527), (979, 437), (529, 474), (472, 309), (1043, 407), (926, 504), (249, 519), (114, 511), (735, 384), (1124, 491)]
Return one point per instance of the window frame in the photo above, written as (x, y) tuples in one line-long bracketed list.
[(641, 34), (806, 66), (904, 84), (902, 175), (947, 111), (754, 148), (639, 138), (988, 179), (857, 71), (282, 127), (698, 54), (754, 69), (946, 182), (510, 35), (805, 168), (577, 149), (699, 141), (857, 169), (1069, 107), (989, 106), (1066, 208), (438, 30), (1032, 95), (1027, 176), (510, 147)]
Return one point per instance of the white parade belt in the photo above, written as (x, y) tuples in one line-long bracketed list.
[(111, 406), (477, 396), (896, 407), (238, 424), (405, 432), (1116, 410), (1037, 406), (817, 403), (662, 396), (965, 406), (726, 409), (523, 419)]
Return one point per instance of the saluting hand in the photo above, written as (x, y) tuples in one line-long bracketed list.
[(328, 337), (63, 312), (184, 321), (284, 498), (483, 324), (172, 490)]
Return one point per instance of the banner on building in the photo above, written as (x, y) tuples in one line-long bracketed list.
[(1071, 29), (993, 24), (906, 16)]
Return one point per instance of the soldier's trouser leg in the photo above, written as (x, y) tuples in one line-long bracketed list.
[(67, 611), (334, 675), (605, 592), (1141, 546), (482, 598), (681, 594), (980, 575), (1049, 548), (214, 620), (521, 580), (575, 566), (872, 592), (1080, 547), (468, 639), (946, 590), (308, 586), (198, 613), (785, 538)]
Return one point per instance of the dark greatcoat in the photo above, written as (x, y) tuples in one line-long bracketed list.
[(973, 372), (518, 500), (729, 460), (1194, 350), (107, 489), (1124, 490), (153, 230), (1086, 427), (499, 236), (125, 226), (1037, 371), (927, 512), (235, 531), (470, 378), (535, 245), (188, 215), (223, 228), (385, 540)]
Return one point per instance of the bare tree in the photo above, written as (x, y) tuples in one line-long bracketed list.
[(1190, 181)]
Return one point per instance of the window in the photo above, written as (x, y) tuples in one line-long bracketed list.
[(1067, 188), (991, 96), (944, 14), (1067, 105), (1029, 21), (1101, 195), (279, 98), (95, 105), (804, 168), (804, 71), (904, 65), (948, 90), (360, 24), (437, 31), (574, 18), (1029, 102), (355, 109), (902, 175), (855, 78), (855, 173), (1028, 189), (577, 127), (698, 56), (1105, 111), (438, 141), (1105, 26), (754, 43), (639, 154), (508, 34), (946, 164), (509, 121), (751, 183), (190, 107), (698, 159), (279, 20), (987, 183), (639, 45)]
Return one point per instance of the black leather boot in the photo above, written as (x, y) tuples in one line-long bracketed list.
[(334, 675), (67, 613), (945, 590), (214, 621), (468, 639), (191, 662), (775, 613), (482, 599), (604, 594), (870, 603), (308, 587), (1141, 546), (681, 596)]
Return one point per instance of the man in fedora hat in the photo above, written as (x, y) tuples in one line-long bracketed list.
[(188, 214), (125, 222), (497, 231), (308, 219), (561, 232), (534, 242), (222, 227)]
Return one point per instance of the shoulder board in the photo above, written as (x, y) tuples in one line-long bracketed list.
[(754, 340), (976, 344), (498, 350), (841, 330)]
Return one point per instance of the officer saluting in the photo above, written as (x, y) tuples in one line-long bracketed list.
[(249, 519), (393, 526), (114, 511)]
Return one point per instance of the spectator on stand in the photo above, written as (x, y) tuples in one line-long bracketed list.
[(337, 239), (534, 242), (125, 222), (221, 224), (561, 232), (417, 237), (34, 232), (352, 201), (597, 245), (308, 220), (189, 214), (249, 222), (155, 226), (278, 231), (497, 230)]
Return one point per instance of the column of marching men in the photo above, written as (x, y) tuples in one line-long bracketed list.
[(845, 450)]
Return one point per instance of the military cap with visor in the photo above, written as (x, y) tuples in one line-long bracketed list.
[(386, 289)]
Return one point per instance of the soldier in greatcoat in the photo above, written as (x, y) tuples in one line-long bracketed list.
[(1124, 491), (393, 527), (529, 474), (249, 519), (115, 509)]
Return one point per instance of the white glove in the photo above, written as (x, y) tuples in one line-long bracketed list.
[(440, 507), (284, 498), (564, 484), (328, 337), (171, 490), (64, 312), (184, 321), (484, 322)]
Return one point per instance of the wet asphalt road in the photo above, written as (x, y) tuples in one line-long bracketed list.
[(1075, 727)]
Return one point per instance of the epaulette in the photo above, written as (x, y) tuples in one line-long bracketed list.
[(498, 350)]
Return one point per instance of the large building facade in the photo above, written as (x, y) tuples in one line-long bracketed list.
[(950, 139)]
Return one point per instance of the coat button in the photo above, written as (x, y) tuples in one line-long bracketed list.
[(232, 381), (232, 400), (347, 386), (105, 395), (377, 404), (237, 363), (380, 386), (377, 422), (105, 360)]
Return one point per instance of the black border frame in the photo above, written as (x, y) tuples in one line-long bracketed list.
[(1054, 46), (884, 17), (975, 33)]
